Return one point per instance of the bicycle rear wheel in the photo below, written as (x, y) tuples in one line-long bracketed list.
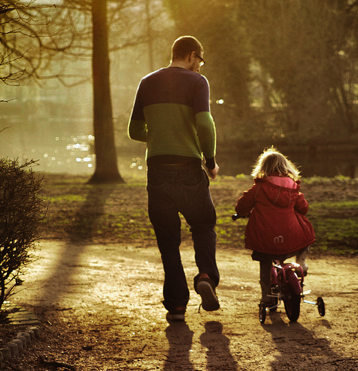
[(292, 304)]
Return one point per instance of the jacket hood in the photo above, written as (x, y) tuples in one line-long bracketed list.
[(277, 194)]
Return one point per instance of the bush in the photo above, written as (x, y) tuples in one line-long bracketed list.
[(21, 210)]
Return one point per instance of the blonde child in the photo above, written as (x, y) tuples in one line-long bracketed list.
[(277, 227)]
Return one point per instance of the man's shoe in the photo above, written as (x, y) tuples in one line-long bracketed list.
[(176, 314), (206, 289)]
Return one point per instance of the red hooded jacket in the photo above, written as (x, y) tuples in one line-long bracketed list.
[(277, 224)]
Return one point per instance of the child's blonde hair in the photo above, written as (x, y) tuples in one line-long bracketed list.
[(272, 161)]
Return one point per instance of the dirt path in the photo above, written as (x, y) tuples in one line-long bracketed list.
[(103, 311)]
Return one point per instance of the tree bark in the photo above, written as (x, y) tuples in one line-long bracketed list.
[(106, 169)]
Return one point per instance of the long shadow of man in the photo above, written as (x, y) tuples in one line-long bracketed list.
[(218, 355), (84, 224), (180, 339)]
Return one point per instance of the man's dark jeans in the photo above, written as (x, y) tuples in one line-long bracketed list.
[(184, 190)]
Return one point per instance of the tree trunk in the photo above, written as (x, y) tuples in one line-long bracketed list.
[(106, 169)]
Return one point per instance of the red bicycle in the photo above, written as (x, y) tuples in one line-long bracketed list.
[(287, 286)]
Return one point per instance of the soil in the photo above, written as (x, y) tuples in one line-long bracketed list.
[(100, 309)]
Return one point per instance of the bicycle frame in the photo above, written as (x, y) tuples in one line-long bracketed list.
[(290, 274)]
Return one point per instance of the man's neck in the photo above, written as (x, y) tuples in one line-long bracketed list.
[(181, 64)]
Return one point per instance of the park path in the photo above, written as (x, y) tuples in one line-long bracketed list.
[(123, 285)]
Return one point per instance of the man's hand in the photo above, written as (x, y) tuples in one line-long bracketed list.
[(213, 172)]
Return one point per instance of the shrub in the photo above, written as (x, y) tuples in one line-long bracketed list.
[(21, 210)]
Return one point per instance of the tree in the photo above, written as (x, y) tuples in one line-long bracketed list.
[(130, 35), (21, 51), (106, 159), (85, 24)]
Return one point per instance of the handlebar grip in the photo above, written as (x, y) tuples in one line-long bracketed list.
[(235, 216)]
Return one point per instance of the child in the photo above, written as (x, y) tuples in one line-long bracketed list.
[(277, 227)]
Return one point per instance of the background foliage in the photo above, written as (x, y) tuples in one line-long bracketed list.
[(21, 210)]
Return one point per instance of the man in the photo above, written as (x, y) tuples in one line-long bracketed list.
[(171, 114)]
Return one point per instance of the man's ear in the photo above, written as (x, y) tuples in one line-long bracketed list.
[(191, 56)]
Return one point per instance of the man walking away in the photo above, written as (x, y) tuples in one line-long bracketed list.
[(171, 114)]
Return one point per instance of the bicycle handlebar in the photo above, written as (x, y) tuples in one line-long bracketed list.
[(235, 217)]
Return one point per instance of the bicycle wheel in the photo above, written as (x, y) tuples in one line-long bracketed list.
[(321, 307), (262, 313), (292, 303)]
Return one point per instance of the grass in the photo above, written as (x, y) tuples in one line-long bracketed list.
[(333, 206), (336, 226), (118, 213)]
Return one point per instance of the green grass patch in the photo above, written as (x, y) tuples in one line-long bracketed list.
[(229, 232), (342, 205), (339, 236), (319, 180), (65, 198), (336, 226)]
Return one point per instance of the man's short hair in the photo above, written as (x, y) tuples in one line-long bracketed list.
[(185, 45)]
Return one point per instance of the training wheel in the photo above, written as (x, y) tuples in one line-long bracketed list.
[(262, 313), (321, 306)]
